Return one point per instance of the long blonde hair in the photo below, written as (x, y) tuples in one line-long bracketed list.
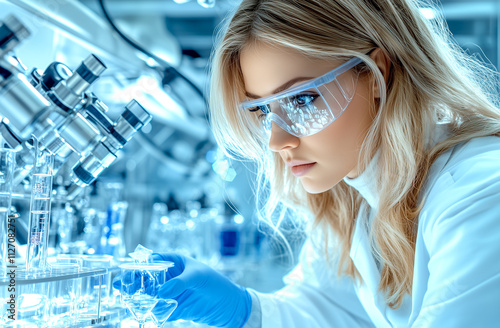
[(431, 80)]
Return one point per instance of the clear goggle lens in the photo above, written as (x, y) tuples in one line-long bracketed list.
[(310, 107)]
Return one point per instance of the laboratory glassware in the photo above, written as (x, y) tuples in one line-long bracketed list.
[(39, 222), (229, 226), (178, 234), (66, 258), (139, 288), (112, 239), (78, 260), (165, 307), (193, 233), (158, 226), (114, 297), (94, 221), (64, 294), (7, 230), (162, 311), (97, 287), (210, 254), (66, 222)]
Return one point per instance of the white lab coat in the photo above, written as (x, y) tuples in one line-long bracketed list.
[(456, 281)]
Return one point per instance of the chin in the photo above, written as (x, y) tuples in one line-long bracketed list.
[(317, 187)]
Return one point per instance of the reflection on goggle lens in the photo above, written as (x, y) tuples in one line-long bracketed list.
[(309, 107)]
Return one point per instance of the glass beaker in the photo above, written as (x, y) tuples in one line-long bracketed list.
[(139, 288), (114, 297), (7, 229), (162, 311), (78, 260), (98, 286), (64, 294), (66, 258), (165, 307)]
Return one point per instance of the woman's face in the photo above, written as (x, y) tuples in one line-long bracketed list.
[(323, 159)]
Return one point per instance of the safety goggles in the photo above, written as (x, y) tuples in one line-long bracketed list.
[(311, 106)]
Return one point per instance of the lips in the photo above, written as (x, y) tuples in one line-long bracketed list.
[(300, 168)]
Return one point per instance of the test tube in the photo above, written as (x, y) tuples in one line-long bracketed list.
[(39, 223), (7, 254)]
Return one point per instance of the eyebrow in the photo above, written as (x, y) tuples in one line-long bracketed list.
[(282, 87)]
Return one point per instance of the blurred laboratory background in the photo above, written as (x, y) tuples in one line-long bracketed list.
[(115, 94)]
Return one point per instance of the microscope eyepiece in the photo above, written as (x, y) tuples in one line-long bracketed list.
[(54, 73), (132, 119), (136, 115), (69, 94), (91, 69)]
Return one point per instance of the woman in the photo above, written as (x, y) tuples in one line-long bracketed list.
[(364, 114)]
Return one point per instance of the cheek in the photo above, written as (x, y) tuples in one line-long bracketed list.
[(348, 132), (337, 148), (341, 141)]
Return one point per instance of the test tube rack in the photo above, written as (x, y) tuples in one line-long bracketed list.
[(21, 283)]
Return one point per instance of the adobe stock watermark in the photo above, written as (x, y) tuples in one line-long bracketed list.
[(11, 267)]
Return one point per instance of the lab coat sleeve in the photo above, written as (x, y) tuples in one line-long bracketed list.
[(313, 297), (255, 318), (462, 237)]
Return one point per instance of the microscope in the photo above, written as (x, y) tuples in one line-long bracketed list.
[(55, 108)]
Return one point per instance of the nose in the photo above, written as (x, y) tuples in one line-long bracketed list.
[(280, 139)]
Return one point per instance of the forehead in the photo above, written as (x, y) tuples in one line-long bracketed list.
[(266, 67)]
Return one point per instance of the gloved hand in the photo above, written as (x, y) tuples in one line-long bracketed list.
[(204, 295)]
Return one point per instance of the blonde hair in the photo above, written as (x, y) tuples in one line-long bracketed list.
[(431, 81)]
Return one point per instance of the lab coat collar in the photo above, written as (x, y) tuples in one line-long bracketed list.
[(361, 250), (366, 182)]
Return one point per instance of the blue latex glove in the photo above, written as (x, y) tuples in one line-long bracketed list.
[(204, 295)]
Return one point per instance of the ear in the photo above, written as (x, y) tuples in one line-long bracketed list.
[(384, 65)]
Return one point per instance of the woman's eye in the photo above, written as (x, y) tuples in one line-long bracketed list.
[(304, 100), (263, 108)]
